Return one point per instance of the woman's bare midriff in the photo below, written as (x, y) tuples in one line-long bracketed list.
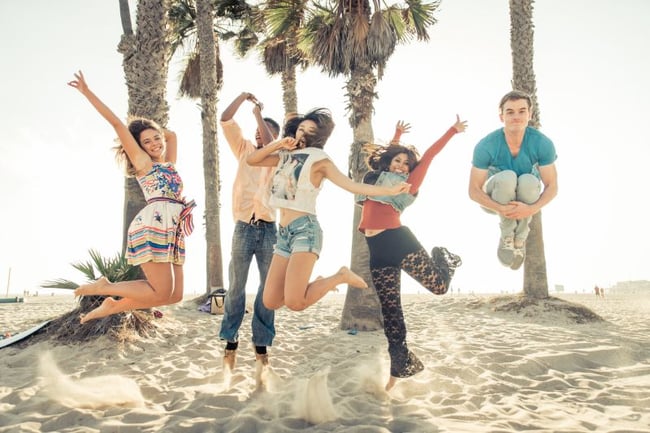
[(371, 233), (288, 215)]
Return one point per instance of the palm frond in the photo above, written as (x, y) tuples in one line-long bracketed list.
[(114, 268), (274, 55), (245, 41), (190, 82), (87, 269), (283, 16), (357, 28), (420, 17), (232, 9), (381, 39), (182, 16), (59, 283)]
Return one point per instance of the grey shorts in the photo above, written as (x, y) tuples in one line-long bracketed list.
[(302, 235)]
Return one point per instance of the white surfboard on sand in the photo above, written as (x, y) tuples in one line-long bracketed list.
[(22, 335)]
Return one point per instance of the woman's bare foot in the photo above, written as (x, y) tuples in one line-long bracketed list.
[(93, 288), (106, 309), (391, 383), (352, 279)]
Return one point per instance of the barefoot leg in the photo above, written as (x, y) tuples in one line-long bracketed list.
[(319, 287), (112, 306), (94, 288), (157, 289), (352, 279), (105, 309)]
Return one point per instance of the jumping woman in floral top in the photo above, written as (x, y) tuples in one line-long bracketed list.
[(156, 236)]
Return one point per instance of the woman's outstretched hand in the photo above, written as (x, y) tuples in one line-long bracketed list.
[(402, 127), (79, 82), (460, 125)]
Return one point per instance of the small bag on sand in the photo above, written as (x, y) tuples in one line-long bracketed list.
[(217, 299)]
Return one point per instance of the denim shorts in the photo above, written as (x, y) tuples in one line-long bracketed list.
[(302, 235)]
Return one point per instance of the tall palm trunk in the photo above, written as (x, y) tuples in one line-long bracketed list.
[(208, 53), (523, 78), (146, 63), (361, 309), (289, 94)]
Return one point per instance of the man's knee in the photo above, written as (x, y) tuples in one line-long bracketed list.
[(502, 186), (528, 188)]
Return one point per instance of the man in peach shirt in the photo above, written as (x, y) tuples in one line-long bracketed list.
[(255, 234)]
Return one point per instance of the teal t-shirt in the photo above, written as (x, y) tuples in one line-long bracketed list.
[(492, 153)]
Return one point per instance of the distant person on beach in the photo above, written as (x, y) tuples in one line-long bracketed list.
[(300, 235), (393, 247), (156, 236), (509, 168), (255, 232)]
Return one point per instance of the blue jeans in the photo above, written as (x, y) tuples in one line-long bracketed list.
[(506, 186), (249, 240)]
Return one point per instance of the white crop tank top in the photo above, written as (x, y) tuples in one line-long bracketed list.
[(291, 186)]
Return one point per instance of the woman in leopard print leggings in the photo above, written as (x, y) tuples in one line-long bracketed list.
[(394, 248)]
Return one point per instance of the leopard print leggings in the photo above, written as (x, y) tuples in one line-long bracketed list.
[(387, 280)]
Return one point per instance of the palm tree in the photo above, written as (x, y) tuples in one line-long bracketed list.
[(146, 62), (146, 59), (224, 18), (283, 20), (208, 54), (523, 78), (355, 39), (535, 279)]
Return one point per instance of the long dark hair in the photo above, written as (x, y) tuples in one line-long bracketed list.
[(379, 157), (322, 117)]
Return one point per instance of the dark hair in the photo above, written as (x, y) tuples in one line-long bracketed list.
[(275, 127), (379, 157), (136, 126), (322, 117), (515, 95)]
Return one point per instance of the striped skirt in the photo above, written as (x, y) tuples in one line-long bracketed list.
[(156, 235)]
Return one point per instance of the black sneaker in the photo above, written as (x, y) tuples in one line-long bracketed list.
[(446, 262), (453, 260)]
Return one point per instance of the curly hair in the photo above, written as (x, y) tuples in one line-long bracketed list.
[(136, 125)]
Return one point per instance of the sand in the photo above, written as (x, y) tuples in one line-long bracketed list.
[(485, 371)]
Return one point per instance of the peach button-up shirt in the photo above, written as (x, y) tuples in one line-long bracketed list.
[(251, 188)]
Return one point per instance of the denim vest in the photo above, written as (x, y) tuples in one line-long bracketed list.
[(398, 202)]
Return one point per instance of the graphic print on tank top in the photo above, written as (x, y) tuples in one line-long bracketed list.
[(285, 180)]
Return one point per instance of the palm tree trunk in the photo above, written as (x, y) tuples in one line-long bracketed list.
[(289, 94), (208, 53), (146, 63), (361, 310), (523, 78)]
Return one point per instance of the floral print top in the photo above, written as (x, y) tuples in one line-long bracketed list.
[(162, 181)]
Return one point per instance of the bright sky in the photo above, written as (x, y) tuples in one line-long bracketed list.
[(65, 193)]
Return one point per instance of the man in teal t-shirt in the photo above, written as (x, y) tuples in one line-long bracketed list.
[(509, 168)]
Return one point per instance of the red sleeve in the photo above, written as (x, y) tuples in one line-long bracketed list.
[(417, 175)]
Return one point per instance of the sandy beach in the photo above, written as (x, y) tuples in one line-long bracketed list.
[(485, 371)]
